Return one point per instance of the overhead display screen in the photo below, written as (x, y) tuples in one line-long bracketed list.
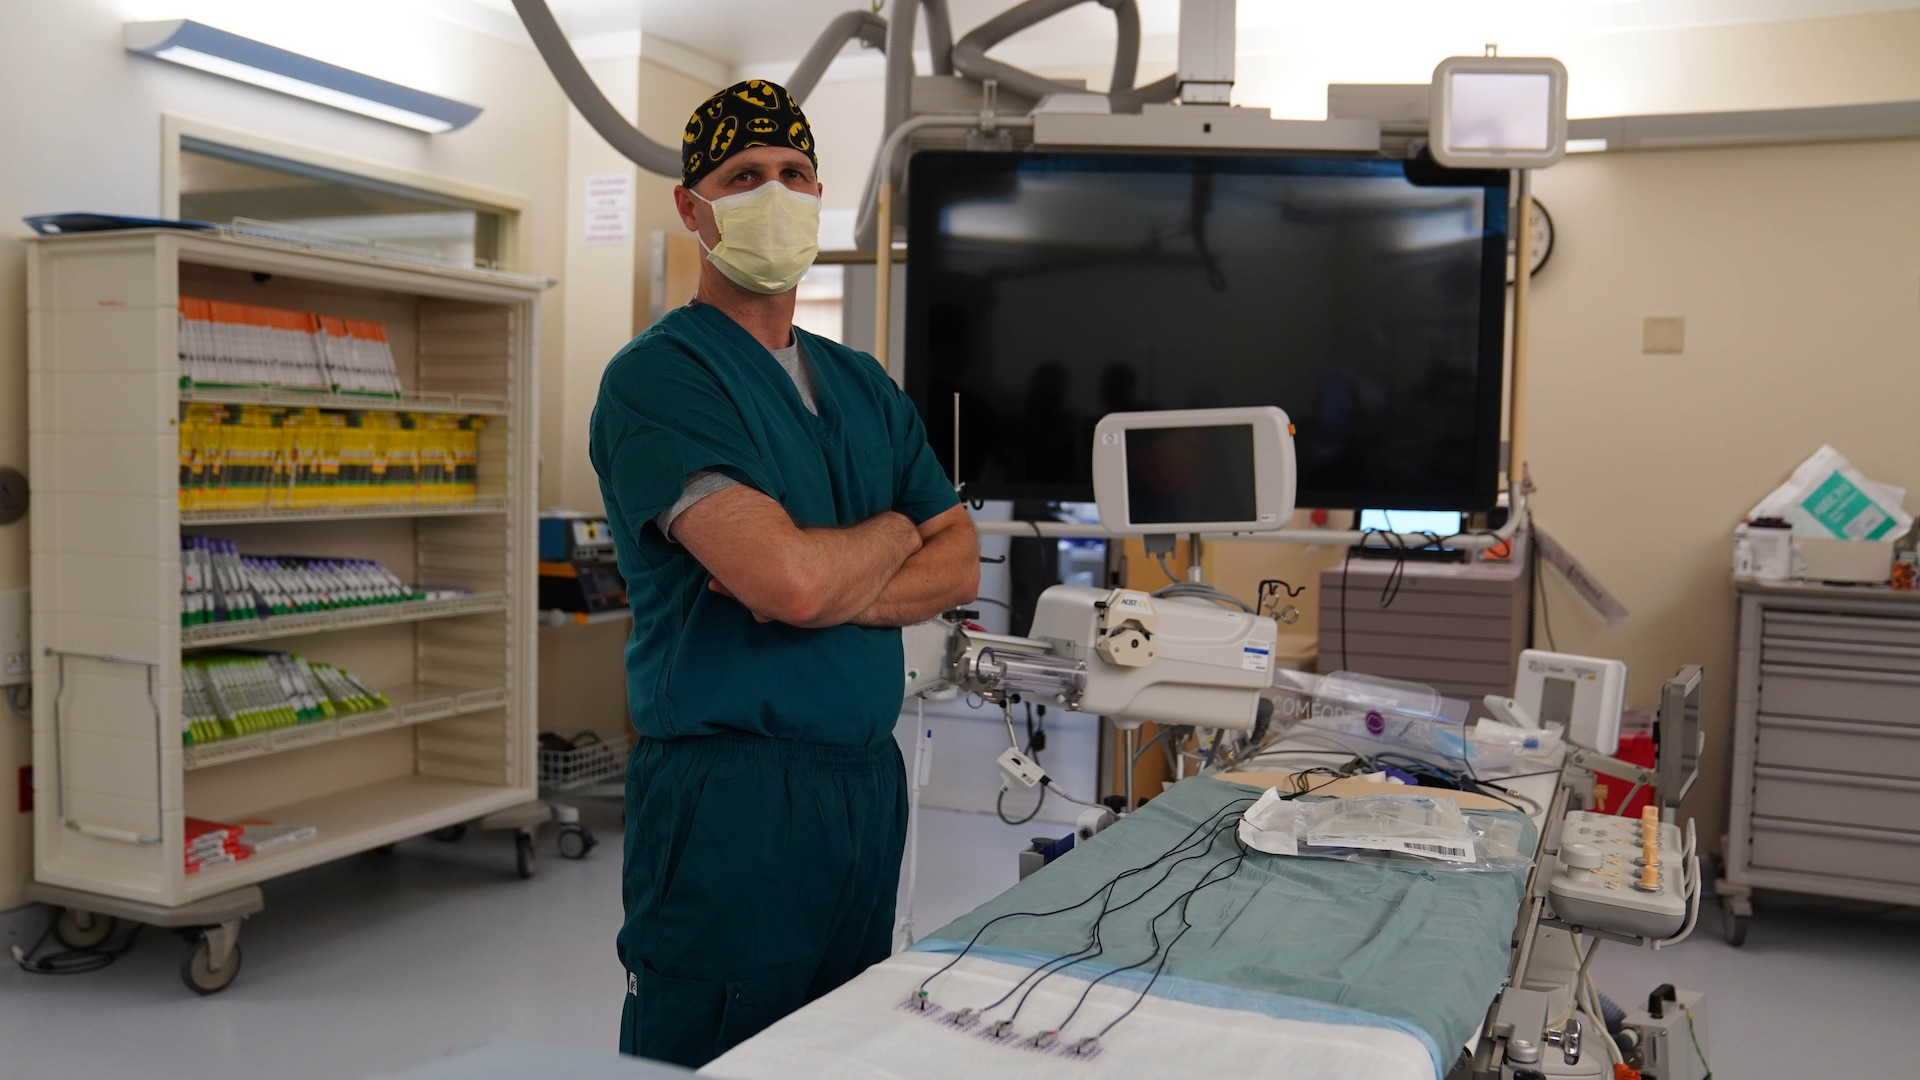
[(1365, 297)]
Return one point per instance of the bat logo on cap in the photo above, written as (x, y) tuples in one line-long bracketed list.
[(694, 127), (798, 136), (763, 125), (723, 136), (754, 91)]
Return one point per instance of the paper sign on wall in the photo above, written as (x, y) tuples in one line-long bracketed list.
[(609, 209), (1585, 585)]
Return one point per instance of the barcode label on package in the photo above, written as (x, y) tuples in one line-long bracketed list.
[(1461, 852)]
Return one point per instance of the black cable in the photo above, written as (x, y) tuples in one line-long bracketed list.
[(71, 961), (1239, 861), (1268, 597), (1540, 589), (1180, 901), (1176, 849), (1000, 808), (1096, 947), (1112, 883), (1096, 944)]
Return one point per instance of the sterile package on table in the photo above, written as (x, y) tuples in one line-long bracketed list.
[(1325, 964)]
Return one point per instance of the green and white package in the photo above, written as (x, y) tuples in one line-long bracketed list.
[(1826, 498)]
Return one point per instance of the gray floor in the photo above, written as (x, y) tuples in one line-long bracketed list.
[(382, 963)]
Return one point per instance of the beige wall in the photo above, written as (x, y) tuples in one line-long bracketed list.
[(667, 98), (1798, 272), (80, 127), (599, 300)]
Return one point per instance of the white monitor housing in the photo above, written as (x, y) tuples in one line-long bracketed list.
[(1583, 694), (1498, 112), (1194, 471)]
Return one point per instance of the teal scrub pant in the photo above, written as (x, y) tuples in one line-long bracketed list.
[(760, 874)]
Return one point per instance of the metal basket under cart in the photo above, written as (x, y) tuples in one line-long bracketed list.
[(590, 766)]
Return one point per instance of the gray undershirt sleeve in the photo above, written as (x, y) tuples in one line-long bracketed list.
[(705, 482)]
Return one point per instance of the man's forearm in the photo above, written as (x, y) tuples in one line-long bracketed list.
[(846, 570), (943, 574)]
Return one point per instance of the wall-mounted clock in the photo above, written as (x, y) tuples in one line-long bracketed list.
[(1542, 241)]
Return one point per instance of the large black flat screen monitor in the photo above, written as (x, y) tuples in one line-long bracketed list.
[(1365, 297)]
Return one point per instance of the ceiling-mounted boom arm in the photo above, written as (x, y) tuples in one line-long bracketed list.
[(864, 26), (580, 89), (970, 53)]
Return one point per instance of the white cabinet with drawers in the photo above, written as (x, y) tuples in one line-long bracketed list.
[(1826, 748)]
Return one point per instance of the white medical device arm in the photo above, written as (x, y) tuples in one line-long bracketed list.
[(1117, 653)]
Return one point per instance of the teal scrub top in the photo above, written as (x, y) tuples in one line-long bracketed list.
[(696, 391)]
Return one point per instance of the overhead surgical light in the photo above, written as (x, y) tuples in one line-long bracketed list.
[(197, 45)]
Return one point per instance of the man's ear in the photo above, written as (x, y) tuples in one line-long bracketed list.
[(683, 201)]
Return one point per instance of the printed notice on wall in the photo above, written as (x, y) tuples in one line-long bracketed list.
[(609, 210)]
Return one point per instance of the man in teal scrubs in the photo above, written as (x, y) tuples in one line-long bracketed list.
[(778, 516)]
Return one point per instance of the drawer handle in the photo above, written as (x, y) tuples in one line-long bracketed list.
[(1841, 832), (1803, 671), (1832, 779), (1845, 622), (1840, 727)]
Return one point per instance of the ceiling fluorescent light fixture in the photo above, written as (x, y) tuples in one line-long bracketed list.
[(197, 45), (1586, 146)]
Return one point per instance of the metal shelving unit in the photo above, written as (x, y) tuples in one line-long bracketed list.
[(411, 401), (321, 622), (264, 515), (457, 743)]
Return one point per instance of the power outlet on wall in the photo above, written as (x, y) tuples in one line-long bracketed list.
[(16, 664), (1663, 335)]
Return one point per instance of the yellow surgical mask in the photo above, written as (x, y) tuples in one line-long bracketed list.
[(768, 237)]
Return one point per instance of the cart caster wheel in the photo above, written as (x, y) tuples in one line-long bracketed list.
[(524, 858), (1734, 929), (78, 929), (197, 970), (449, 834), (576, 841)]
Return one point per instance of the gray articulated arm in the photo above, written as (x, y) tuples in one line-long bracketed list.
[(1126, 49), (593, 105), (847, 26), (970, 53), (939, 36), (1151, 94), (899, 83)]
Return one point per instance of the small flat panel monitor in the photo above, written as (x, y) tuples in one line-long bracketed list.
[(1194, 470), (1441, 523), (1679, 739), (1365, 297)]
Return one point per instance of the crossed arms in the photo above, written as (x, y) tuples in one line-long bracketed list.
[(881, 572)]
